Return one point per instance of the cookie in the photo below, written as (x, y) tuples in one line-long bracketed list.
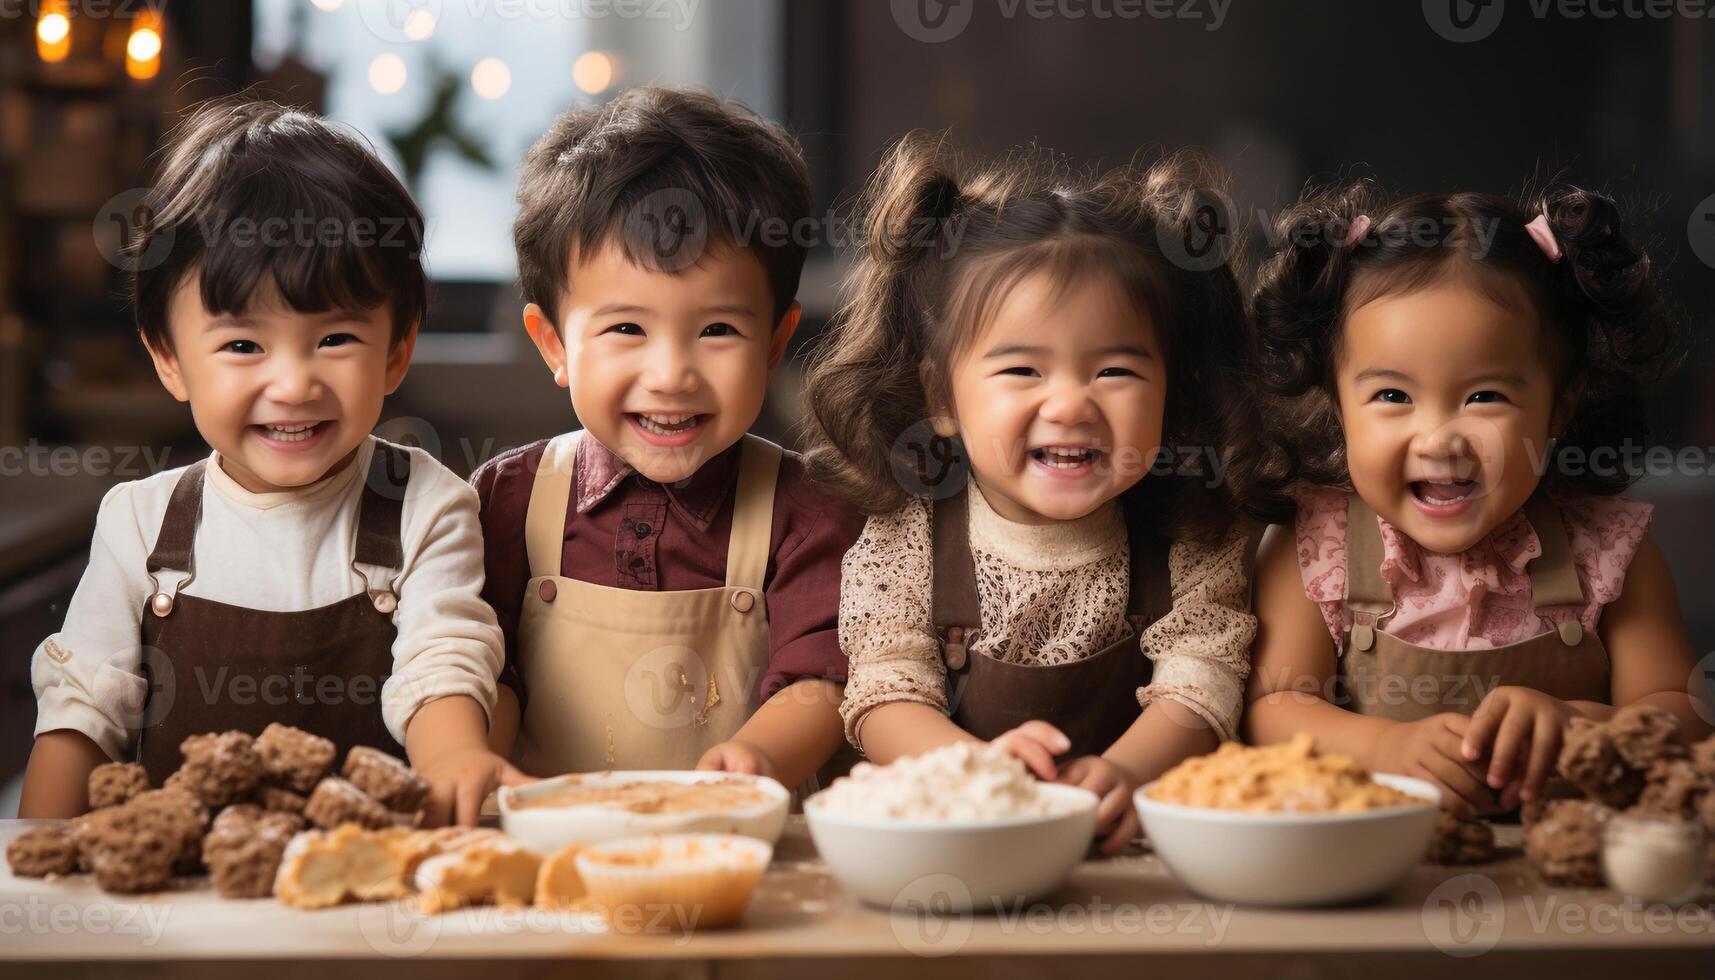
[(1564, 845), (294, 759), (220, 767), (1461, 842), (113, 783), (42, 851), (336, 801), (385, 778)]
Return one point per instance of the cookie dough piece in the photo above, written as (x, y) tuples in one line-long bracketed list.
[(113, 783), (1565, 845), (294, 759), (412, 847), (1461, 842), (321, 868), (558, 884), (131, 848), (187, 818), (1590, 759), (42, 851), (279, 800), (388, 780), (1674, 787), (220, 767), (244, 847), (1703, 756), (1644, 733), (500, 870), (336, 801)]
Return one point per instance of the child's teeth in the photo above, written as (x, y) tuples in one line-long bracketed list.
[(1064, 458), (291, 433), (666, 425)]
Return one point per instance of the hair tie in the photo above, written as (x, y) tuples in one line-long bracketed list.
[(1544, 237), (1360, 228)]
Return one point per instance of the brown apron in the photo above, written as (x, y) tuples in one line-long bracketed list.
[(211, 666), (1093, 700), (628, 679), (1389, 678)]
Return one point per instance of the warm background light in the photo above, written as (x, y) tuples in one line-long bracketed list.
[(419, 25), (387, 73), (593, 71), (491, 78), (143, 47), (53, 31)]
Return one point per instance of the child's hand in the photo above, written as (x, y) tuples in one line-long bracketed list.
[(1514, 721), (1037, 743), (1430, 749), (736, 756), (1116, 819), (460, 780)]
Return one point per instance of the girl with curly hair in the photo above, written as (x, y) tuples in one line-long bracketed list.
[(1457, 379)]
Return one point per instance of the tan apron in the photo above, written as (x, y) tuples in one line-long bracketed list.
[(627, 679), (1387, 677), (1093, 700)]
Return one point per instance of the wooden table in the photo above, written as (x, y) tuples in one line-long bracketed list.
[(1122, 917)]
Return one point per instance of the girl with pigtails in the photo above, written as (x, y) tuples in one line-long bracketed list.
[(1463, 577), (1020, 358)]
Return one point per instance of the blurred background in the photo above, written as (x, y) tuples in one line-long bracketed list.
[(1431, 95)]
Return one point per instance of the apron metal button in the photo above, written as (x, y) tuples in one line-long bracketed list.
[(161, 603), (547, 590), (743, 601), (1571, 633), (384, 602)]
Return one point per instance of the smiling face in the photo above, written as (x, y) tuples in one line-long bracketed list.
[(1448, 404), (285, 397), (667, 370), (1059, 398)]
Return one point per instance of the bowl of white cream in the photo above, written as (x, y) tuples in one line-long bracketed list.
[(961, 828)]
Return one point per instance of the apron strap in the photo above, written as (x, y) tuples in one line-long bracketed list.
[(174, 546), (1368, 596), (955, 607), (1151, 595), (752, 514), (1553, 574), (550, 497), (382, 508)]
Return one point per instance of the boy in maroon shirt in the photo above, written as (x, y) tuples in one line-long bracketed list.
[(667, 584)]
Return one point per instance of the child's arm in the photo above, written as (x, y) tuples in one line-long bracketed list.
[(1293, 671), (503, 721), (448, 653), (1651, 657), (447, 740), (1651, 662), (56, 781), (789, 737), (90, 693)]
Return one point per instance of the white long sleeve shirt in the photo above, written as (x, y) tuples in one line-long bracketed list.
[(280, 552)]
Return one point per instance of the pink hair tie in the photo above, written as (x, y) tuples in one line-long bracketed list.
[(1360, 228), (1544, 237)]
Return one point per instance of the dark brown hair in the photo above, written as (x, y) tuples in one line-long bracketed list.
[(943, 240), (1605, 325), (666, 174), (252, 190)]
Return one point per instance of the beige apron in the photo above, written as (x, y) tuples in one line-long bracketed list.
[(627, 679), (1390, 678)]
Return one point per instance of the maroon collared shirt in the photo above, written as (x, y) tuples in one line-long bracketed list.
[(626, 531)]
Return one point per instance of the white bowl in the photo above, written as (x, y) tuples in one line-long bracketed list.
[(1292, 858), (549, 828), (954, 866)]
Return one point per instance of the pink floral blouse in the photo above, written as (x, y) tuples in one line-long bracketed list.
[(1479, 598)]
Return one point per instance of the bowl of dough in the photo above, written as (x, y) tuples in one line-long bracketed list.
[(584, 808), (960, 828), (1284, 825)]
